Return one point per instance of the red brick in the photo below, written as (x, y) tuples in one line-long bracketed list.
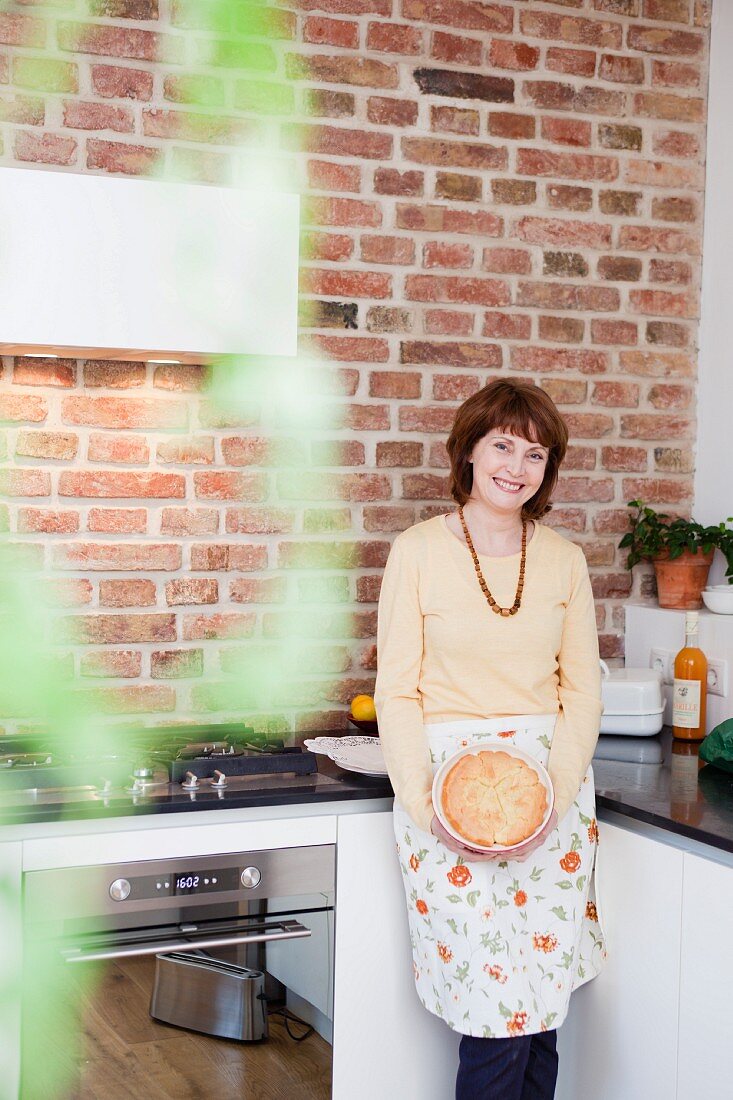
[(111, 41), (675, 143), (399, 454), (126, 449), (580, 458), (120, 483), (615, 394), (97, 116), (462, 14), (50, 371), (674, 208), (441, 219), (660, 174), (619, 268), (326, 246), (565, 391), (388, 319), (668, 106), (565, 28), (450, 353), (224, 485), (573, 62), (426, 418), (504, 54), (439, 288), (258, 521), (664, 303), (21, 30), (127, 593), (114, 156), (351, 284), (118, 521), (669, 271), (44, 148), (656, 490), (458, 187), (456, 49), (663, 396), (337, 141), (367, 418), (217, 556), (337, 211), (23, 482), (394, 38), (331, 32), (454, 387), (567, 197), (22, 110), (568, 519), (546, 295), (189, 590), (675, 74), (381, 518), (588, 425), (668, 333), (388, 250), (109, 556), (55, 445), (657, 364), (654, 426), (66, 592), (440, 254), (337, 452), (258, 590), (425, 487), (664, 40), (115, 662), (514, 192), (447, 322), (540, 162), (642, 238), (389, 181), (554, 359), (584, 489), (189, 521), (555, 231), (456, 120), (507, 326), (114, 375), (611, 586), (116, 82), (513, 261), (455, 154), (192, 126), (621, 69), (613, 332), (565, 131), (611, 521), (564, 330), (624, 459), (125, 9), (45, 520), (192, 451), (325, 175), (342, 69), (391, 112), (328, 104), (394, 384), (176, 663), (505, 125)]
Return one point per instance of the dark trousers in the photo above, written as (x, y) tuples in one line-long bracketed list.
[(522, 1068)]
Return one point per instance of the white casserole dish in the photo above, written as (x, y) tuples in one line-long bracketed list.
[(631, 690), (635, 725), (510, 750)]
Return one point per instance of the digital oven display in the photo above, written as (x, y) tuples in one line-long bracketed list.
[(184, 882)]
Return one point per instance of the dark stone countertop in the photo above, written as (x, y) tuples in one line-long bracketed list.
[(677, 792)]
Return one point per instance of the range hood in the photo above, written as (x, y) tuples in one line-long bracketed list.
[(98, 267)]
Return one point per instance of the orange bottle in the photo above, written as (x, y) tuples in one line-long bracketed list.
[(690, 686)]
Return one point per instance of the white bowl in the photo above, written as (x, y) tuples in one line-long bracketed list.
[(473, 750), (719, 598)]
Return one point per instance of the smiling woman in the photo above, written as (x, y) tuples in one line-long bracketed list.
[(504, 653)]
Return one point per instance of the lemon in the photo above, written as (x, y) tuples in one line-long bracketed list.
[(362, 708)]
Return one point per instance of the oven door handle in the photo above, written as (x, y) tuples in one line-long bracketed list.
[(284, 930)]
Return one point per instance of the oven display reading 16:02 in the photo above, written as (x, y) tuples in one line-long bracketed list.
[(187, 882)]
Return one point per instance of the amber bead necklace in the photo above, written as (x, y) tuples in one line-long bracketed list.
[(484, 586)]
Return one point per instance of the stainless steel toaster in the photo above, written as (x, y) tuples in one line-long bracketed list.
[(201, 993)]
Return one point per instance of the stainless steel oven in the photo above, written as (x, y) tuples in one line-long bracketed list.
[(267, 916)]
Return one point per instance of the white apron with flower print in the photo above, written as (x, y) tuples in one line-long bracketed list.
[(498, 947)]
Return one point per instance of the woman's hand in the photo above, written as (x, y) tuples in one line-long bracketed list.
[(524, 850), (454, 845)]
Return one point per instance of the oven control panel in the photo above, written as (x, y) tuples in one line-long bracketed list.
[(183, 882)]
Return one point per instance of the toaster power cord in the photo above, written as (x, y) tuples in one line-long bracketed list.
[(289, 1017)]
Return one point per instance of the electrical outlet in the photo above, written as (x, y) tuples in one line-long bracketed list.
[(717, 677), (661, 661)]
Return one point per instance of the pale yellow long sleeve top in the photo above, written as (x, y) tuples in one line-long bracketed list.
[(444, 655)]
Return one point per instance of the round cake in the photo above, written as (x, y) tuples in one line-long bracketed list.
[(493, 799)]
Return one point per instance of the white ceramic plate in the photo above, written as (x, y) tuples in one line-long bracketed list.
[(473, 750), (359, 754)]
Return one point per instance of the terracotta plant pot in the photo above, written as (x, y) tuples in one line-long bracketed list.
[(680, 581)]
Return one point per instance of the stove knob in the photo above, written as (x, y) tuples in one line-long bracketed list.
[(250, 877), (120, 889)]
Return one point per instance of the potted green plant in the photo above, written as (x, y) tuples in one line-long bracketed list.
[(681, 551)]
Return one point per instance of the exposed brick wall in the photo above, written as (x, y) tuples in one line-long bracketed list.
[(508, 187)]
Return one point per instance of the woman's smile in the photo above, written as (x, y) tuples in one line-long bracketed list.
[(507, 469)]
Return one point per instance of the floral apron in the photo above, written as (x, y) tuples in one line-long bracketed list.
[(498, 947)]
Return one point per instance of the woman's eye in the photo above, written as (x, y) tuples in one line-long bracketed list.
[(502, 445), (535, 455)]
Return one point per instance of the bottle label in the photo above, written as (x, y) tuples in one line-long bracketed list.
[(686, 704)]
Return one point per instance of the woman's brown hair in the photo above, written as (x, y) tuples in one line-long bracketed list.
[(508, 406)]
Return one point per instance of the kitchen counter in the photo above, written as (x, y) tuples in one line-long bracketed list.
[(328, 785), (678, 794)]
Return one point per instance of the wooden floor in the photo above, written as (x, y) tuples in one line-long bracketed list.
[(126, 1055)]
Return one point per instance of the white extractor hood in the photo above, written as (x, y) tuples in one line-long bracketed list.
[(126, 268)]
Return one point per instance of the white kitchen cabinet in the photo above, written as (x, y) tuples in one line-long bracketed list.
[(706, 986), (386, 1045), (129, 268), (11, 961), (619, 1041)]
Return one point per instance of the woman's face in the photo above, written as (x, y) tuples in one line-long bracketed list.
[(507, 470)]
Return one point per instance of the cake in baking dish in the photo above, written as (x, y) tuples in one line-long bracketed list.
[(493, 799)]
